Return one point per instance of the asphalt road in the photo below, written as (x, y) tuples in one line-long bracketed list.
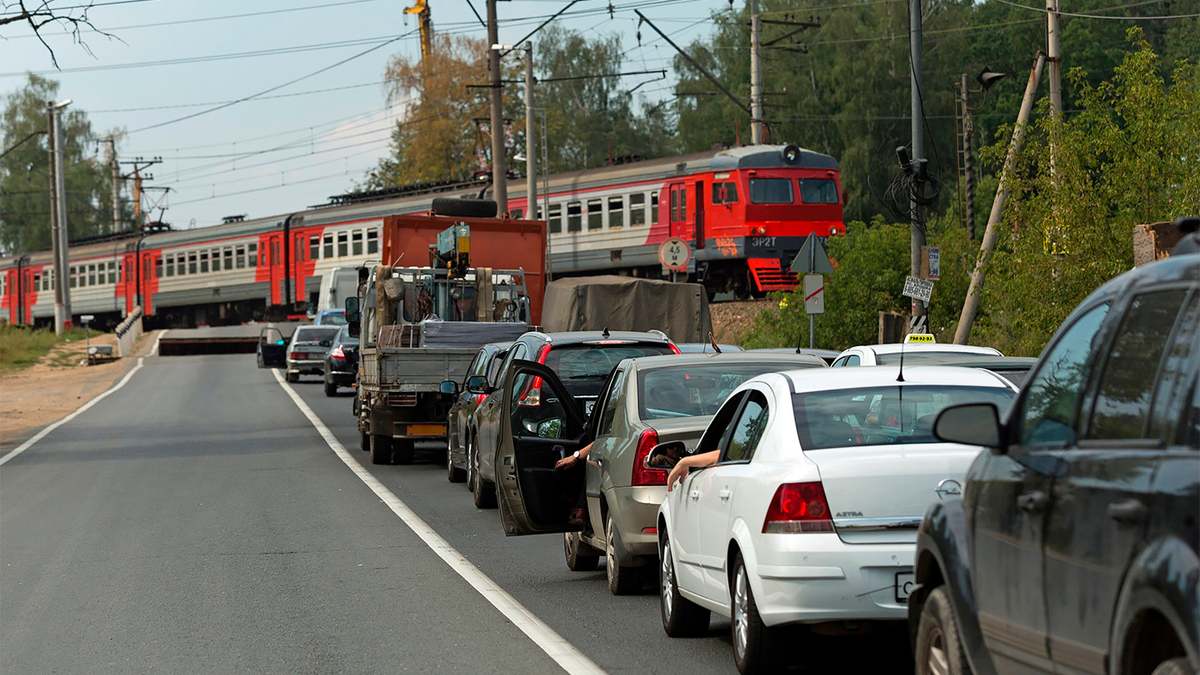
[(195, 521)]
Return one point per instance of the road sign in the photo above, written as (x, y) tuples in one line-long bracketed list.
[(918, 323), (919, 289), (674, 254), (814, 294), (931, 258), (812, 258), (87, 318)]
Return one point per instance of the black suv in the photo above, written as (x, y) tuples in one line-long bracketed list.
[(1073, 548)]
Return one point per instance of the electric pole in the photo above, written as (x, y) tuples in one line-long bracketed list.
[(756, 93), (62, 291), (116, 183), (1053, 58), (968, 160), (530, 145), (918, 322), (499, 165)]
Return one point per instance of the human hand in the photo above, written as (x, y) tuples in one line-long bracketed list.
[(677, 474), (566, 462)]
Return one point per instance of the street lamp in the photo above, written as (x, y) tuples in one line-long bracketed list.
[(986, 79)]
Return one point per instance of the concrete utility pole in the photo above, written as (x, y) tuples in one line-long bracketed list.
[(62, 291), (971, 305), (116, 184), (1054, 58), (52, 164), (918, 322), (530, 142), (499, 165), (756, 93), (968, 159)]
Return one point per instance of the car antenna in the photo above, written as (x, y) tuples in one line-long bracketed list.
[(900, 376), (605, 334)]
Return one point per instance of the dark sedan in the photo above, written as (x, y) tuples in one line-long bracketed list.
[(341, 363), (483, 369)]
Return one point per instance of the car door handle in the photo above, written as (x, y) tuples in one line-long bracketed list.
[(724, 494), (1033, 502), (1128, 512), (695, 495)]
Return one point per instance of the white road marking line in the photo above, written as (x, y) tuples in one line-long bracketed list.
[(78, 411), (556, 647)]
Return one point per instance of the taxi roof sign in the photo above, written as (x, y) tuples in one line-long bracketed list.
[(919, 337)]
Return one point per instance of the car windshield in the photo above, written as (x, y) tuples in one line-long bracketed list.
[(333, 319), (693, 390), (316, 334), (583, 367), (881, 415), (894, 359)]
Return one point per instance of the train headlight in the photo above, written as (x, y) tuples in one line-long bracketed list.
[(791, 153)]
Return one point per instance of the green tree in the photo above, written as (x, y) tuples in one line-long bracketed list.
[(24, 172)]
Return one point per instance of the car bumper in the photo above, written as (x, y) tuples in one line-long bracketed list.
[(342, 379), (306, 367), (811, 578), (635, 512)]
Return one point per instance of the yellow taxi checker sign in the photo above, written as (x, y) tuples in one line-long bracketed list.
[(920, 337)]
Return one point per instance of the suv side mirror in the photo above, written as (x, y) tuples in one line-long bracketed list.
[(969, 424), (351, 310), (449, 387), (477, 384)]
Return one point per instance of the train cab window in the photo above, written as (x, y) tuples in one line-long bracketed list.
[(770, 191), (356, 242), (372, 241), (595, 214), (637, 209), (314, 248), (252, 253), (227, 256), (158, 268), (818, 191), (574, 216), (343, 244), (724, 193), (555, 219), (616, 212), (328, 253)]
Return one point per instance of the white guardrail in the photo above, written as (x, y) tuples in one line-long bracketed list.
[(128, 331)]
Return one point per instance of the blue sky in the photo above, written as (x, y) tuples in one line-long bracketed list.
[(308, 146)]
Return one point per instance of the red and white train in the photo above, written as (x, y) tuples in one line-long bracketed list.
[(745, 211)]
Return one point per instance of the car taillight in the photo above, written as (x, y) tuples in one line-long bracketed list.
[(642, 475), (674, 348), (297, 356), (338, 354), (532, 395), (799, 507), (542, 354)]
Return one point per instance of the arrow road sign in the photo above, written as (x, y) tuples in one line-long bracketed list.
[(812, 258)]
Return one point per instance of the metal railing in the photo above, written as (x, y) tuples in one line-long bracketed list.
[(128, 331)]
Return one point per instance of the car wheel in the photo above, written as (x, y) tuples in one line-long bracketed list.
[(293, 377), (402, 451), (381, 449), (576, 561), (453, 473), (756, 647), (680, 617), (471, 466), (485, 494), (1177, 666), (622, 580), (939, 650), (330, 388)]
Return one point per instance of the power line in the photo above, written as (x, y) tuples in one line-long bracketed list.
[(345, 172), (87, 6), (1102, 16), (261, 98)]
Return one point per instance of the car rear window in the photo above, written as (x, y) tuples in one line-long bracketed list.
[(881, 415), (894, 359), (584, 367), (316, 334), (693, 390)]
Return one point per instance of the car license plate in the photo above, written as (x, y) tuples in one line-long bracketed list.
[(904, 586), (427, 430)]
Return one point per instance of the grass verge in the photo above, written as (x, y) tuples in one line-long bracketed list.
[(21, 347)]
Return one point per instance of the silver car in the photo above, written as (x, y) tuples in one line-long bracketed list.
[(306, 352)]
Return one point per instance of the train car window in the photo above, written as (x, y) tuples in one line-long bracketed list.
[(372, 241), (770, 191), (683, 209), (158, 268), (674, 205), (654, 206), (818, 191), (181, 264), (555, 218), (356, 242), (227, 255), (343, 244), (91, 275), (616, 212), (252, 252), (203, 262), (637, 209), (74, 283), (192, 269), (314, 247), (574, 216), (112, 271), (328, 253), (595, 214), (240, 256), (170, 265), (37, 281)]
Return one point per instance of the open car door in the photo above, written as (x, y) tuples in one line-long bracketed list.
[(540, 423)]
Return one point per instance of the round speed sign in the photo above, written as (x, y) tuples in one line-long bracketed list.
[(675, 254)]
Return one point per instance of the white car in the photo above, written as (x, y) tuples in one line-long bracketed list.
[(810, 515), (889, 354)]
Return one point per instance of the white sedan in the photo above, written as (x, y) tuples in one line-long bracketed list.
[(889, 354), (810, 512)]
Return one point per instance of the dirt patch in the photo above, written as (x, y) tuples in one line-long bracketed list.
[(57, 384), (731, 319)]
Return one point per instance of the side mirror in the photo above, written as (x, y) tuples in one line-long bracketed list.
[(448, 387), (665, 455), (969, 424), (551, 428), (351, 310), (477, 384)]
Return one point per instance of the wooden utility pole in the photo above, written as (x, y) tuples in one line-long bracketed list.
[(530, 145), (499, 165), (919, 321)]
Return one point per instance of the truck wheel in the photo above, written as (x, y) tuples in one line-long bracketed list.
[(453, 473), (576, 561), (938, 648), (622, 580), (402, 451), (293, 377), (464, 208), (364, 441), (381, 449)]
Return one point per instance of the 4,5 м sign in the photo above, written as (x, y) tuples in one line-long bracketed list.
[(675, 254)]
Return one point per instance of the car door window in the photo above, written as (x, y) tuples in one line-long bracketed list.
[(721, 427), (1175, 378), (1126, 388), (1048, 410), (746, 432), (537, 409), (853, 360), (616, 386)]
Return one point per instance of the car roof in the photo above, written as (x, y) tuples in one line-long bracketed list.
[(702, 347), (897, 347), (499, 346), (853, 378), (331, 311), (785, 361), (580, 336), (982, 361)]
